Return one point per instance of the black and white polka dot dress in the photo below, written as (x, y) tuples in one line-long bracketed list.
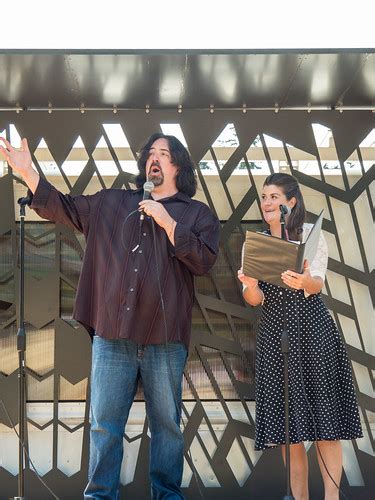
[(326, 373)]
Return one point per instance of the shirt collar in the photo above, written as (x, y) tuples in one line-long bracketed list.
[(178, 196)]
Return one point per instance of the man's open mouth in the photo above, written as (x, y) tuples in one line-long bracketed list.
[(155, 169)]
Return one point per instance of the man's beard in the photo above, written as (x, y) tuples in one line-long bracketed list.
[(157, 179)]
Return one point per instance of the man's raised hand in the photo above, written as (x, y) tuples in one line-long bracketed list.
[(18, 158), (20, 161)]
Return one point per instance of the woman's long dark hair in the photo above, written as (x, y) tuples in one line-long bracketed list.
[(186, 181), (290, 187)]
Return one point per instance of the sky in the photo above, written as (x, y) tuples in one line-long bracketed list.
[(194, 24)]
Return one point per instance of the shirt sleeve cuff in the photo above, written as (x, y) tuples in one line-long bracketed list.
[(318, 274), (41, 194), (182, 237)]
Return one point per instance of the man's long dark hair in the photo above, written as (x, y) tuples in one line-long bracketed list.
[(290, 187), (186, 181)]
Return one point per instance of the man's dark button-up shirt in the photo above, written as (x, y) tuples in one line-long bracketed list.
[(118, 291)]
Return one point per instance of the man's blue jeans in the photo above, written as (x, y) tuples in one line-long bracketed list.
[(116, 367)]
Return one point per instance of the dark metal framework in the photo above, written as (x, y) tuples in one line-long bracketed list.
[(219, 301), (187, 78)]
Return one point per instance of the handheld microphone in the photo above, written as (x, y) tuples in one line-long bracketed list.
[(148, 187), (285, 210)]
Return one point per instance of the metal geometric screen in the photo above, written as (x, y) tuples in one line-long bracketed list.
[(331, 154)]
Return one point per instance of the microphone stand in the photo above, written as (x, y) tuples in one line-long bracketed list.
[(21, 348), (285, 351)]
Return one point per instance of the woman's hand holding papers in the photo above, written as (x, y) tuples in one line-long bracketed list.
[(246, 280), (252, 293), (296, 280), (304, 281)]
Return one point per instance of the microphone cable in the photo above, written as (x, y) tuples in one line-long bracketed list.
[(26, 452), (307, 400), (3, 404), (148, 187), (285, 210), (136, 211), (194, 470)]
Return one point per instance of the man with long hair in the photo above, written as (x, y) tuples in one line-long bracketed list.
[(135, 296)]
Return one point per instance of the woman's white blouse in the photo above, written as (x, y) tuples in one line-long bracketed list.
[(318, 267)]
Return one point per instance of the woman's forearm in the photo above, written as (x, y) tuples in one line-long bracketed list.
[(253, 295)]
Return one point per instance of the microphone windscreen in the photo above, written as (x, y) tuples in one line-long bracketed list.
[(148, 187)]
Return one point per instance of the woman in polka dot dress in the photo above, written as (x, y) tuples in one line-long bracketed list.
[(320, 380)]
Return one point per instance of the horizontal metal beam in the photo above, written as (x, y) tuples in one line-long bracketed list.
[(180, 109)]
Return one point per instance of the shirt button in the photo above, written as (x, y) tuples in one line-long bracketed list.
[(131, 289), (140, 251), (144, 234), (128, 308), (135, 270)]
